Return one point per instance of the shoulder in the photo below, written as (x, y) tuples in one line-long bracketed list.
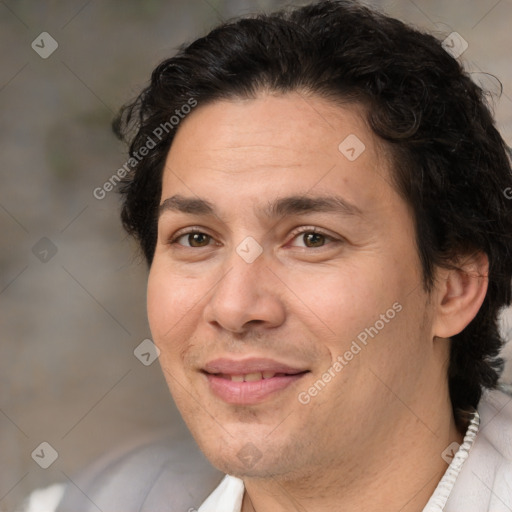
[(485, 480), (164, 473), (495, 411), (44, 500)]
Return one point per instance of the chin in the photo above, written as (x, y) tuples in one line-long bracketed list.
[(235, 456), (243, 459), (234, 467)]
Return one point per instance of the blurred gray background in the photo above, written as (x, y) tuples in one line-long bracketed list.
[(72, 286)]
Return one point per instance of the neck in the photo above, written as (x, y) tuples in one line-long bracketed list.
[(399, 470)]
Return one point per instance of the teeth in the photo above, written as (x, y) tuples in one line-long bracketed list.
[(251, 377)]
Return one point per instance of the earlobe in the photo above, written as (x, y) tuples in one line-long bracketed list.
[(461, 292)]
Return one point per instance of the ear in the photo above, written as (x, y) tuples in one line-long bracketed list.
[(460, 293)]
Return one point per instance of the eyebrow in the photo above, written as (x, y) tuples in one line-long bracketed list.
[(285, 206)]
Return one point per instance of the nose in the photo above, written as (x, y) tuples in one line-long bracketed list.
[(248, 294)]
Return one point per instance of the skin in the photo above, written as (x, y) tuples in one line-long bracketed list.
[(372, 438)]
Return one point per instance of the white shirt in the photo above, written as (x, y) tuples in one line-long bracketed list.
[(478, 479)]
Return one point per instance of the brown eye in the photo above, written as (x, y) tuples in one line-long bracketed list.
[(312, 239), (198, 239), (194, 239)]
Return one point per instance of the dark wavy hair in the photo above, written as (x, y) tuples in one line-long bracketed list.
[(450, 163)]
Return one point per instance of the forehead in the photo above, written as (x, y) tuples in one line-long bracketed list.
[(254, 148)]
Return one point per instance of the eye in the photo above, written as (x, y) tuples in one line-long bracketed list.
[(312, 238), (194, 238)]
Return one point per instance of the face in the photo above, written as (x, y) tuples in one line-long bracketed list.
[(285, 293)]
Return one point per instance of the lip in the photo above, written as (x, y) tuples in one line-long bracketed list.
[(253, 392)]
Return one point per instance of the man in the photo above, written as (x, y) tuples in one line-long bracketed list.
[(319, 194)]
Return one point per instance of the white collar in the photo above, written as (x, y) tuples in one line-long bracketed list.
[(227, 497), (438, 500)]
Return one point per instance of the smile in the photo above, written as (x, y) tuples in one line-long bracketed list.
[(251, 377), (249, 382)]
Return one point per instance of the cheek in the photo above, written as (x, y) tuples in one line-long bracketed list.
[(342, 299), (170, 303), (172, 320)]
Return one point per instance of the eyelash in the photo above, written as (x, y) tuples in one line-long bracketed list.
[(295, 234)]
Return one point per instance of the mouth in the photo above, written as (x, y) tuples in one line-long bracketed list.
[(253, 377), (250, 381)]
